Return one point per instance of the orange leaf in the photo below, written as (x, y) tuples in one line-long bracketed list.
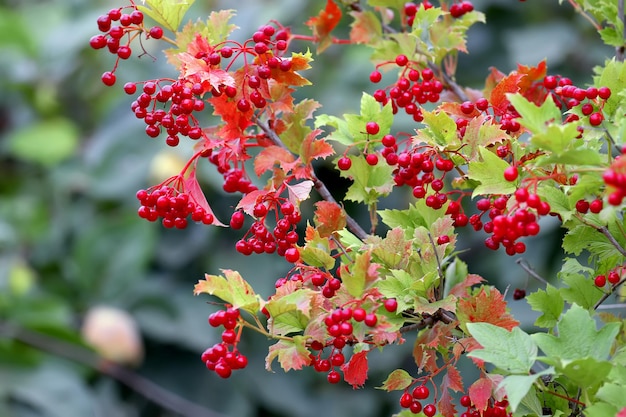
[(445, 405), (313, 148), (329, 217), (460, 289), (487, 306), (453, 380), (532, 73), (236, 121), (365, 29), (509, 84), (270, 156), (324, 23), (480, 392), (355, 371)]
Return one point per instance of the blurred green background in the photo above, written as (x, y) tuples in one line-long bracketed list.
[(72, 156)]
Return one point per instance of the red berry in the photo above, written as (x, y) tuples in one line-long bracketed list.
[(613, 277), (415, 407), (402, 60), (600, 281), (371, 158), (465, 401), (344, 163), (359, 314), (582, 206), (108, 78), (156, 32), (421, 392), (511, 173), (376, 76), (292, 255), (370, 320), (519, 293), (406, 400), (333, 377), (596, 206), (595, 119), (604, 92), (429, 410), (372, 128), (391, 305), (243, 105), (223, 370)]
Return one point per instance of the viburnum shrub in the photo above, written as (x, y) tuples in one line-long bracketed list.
[(529, 145)]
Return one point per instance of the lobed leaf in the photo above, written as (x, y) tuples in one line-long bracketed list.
[(231, 288)]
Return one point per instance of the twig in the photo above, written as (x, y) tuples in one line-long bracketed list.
[(524, 265), (619, 50), (608, 294), (440, 315), (451, 84), (609, 236), (321, 188), (153, 392)]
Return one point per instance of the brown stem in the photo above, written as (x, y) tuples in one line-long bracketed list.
[(608, 294), (427, 321), (449, 82), (321, 188), (530, 271), (153, 392)]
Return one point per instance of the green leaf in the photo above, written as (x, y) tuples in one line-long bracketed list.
[(362, 272), (231, 288), (520, 388), (291, 354), (490, 173), (557, 138), (396, 285), (399, 379), (370, 182), (290, 313), (612, 394), (317, 256), (167, 13), (580, 290), (529, 405), (47, 142), (613, 75), (548, 302), (558, 201), (441, 130), (577, 337), (535, 118), (417, 215), (512, 351), (456, 272), (587, 373), (583, 237)]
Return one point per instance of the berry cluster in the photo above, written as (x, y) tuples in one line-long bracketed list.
[(507, 224), (218, 357), (172, 205), (130, 25), (415, 86), (459, 9), (178, 119), (584, 206), (258, 239), (494, 408), (413, 401), (568, 96)]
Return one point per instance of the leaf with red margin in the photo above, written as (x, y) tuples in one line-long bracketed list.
[(355, 371), (231, 288), (197, 71), (192, 187), (480, 393), (365, 28), (291, 354), (486, 306), (452, 380), (460, 289), (324, 23), (509, 84), (445, 405), (250, 200), (329, 217), (397, 380), (270, 156), (494, 77), (299, 62), (313, 148)]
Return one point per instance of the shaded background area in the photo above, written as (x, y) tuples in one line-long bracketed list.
[(72, 156)]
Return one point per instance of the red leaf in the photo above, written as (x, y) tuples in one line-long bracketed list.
[(313, 148), (365, 29), (270, 156), (249, 200), (445, 405), (453, 380), (532, 74), (487, 306), (236, 121), (324, 23), (329, 218), (460, 289), (480, 392), (509, 84), (355, 371), (192, 187)]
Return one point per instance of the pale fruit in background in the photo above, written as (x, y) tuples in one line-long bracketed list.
[(113, 334)]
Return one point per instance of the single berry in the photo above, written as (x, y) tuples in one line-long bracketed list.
[(421, 392), (596, 206), (600, 281), (511, 173), (156, 32), (108, 78), (371, 158), (375, 77), (344, 163), (613, 277), (402, 60), (519, 293), (292, 255), (429, 410), (391, 305), (372, 128)]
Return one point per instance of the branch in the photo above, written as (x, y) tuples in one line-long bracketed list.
[(530, 271), (607, 295), (427, 321), (450, 83), (619, 50), (153, 392), (321, 188), (609, 236)]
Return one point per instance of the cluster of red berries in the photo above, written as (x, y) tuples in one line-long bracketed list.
[(568, 96), (506, 225), (584, 206), (258, 239), (494, 408), (615, 178), (172, 205), (613, 277), (178, 119), (415, 87), (218, 357), (111, 37), (413, 401), (459, 9), (410, 10)]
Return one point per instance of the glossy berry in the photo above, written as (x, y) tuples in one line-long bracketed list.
[(519, 293), (465, 401), (391, 305), (108, 78), (344, 163), (333, 377), (376, 76), (371, 158), (156, 32), (600, 281), (372, 128), (511, 173), (596, 206), (429, 410), (421, 392), (613, 277), (292, 255), (402, 60)]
